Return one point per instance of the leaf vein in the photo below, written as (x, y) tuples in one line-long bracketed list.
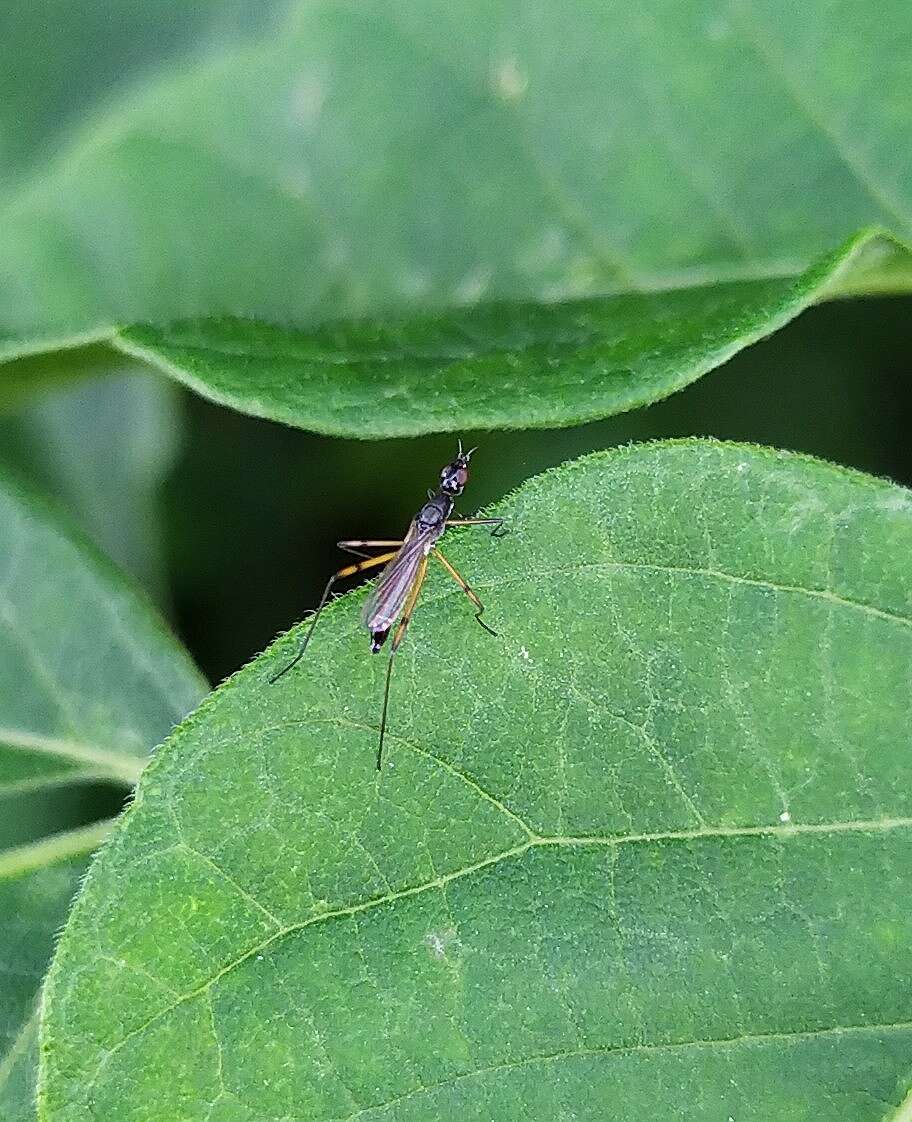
[(445, 764), (852, 161), (630, 1049)]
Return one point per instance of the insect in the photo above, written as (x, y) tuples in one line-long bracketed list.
[(396, 592)]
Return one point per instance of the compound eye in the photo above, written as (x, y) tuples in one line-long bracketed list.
[(462, 476)]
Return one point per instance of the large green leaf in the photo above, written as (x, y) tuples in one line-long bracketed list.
[(89, 682), (330, 159), (646, 854)]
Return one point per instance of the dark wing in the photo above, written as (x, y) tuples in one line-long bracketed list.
[(388, 596)]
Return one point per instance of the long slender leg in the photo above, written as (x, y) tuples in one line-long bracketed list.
[(348, 571), (498, 523), (355, 545), (466, 588), (398, 636)]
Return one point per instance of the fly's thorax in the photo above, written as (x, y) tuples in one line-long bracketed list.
[(433, 515)]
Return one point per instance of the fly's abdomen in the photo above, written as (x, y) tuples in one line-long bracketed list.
[(378, 638), (382, 608)]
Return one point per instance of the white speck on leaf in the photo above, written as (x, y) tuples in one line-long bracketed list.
[(717, 28), (437, 942), (509, 80), (785, 816)]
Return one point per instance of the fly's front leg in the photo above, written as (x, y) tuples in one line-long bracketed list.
[(500, 528)]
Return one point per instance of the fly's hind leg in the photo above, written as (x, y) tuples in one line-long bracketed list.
[(348, 571), (358, 545), (466, 588)]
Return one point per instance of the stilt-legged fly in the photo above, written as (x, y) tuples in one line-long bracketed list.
[(396, 592)]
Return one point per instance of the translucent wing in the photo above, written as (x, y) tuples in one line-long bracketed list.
[(388, 597)]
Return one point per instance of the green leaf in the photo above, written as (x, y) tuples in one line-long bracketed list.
[(37, 883), (89, 682), (647, 853), (90, 678), (103, 447), (325, 160), (494, 366)]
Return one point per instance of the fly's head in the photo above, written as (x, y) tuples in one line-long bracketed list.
[(455, 475)]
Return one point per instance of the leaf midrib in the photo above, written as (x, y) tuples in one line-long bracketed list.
[(853, 161), (53, 849), (17, 1047), (791, 830), (101, 761)]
